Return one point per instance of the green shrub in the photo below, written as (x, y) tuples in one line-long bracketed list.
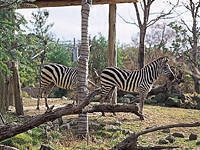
[(173, 102)]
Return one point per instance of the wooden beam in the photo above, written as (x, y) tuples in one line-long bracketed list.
[(57, 3)]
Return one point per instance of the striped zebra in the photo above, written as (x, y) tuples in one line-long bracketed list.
[(140, 81), (56, 75)]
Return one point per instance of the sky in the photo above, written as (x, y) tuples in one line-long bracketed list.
[(67, 20)]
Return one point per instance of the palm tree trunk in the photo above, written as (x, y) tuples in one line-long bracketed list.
[(83, 68)]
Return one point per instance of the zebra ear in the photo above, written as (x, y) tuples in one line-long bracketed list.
[(165, 59)]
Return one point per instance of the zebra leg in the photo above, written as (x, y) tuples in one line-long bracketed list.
[(113, 98), (38, 103), (47, 93), (46, 104), (101, 102), (39, 96), (141, 107), (107, 97)]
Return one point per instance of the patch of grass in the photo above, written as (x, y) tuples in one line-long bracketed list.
[(21, 141)]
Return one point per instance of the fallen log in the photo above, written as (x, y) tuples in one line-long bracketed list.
[(7, 130), (130, 143)]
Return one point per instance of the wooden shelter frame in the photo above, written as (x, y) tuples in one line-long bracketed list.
[(112, 52)]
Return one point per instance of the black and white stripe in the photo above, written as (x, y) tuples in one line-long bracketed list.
[(140, 81), (56, 75)]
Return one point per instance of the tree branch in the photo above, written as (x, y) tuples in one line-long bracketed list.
[(126, 20), (7, 131), (138, 15), (162, 16), (131, 142), (183, 22), (196, 124)]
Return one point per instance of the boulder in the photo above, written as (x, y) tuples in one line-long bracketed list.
[(166, 130), (162, 141), (176, 134), (170, 138), (193, 137), (46, 147)]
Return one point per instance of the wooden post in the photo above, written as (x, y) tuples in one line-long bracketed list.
[(112, 52)]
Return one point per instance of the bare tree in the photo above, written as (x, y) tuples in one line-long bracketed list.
[(185, 45), (193, 8), (142, 10)]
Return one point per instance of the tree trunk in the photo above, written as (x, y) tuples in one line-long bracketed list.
[(82, 86), (17, 89), (141, 47), (196, 84), (112, 52), (195, 51), (3, 94), (11, 98)]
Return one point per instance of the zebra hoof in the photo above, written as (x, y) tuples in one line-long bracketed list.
[(141, 117), (51, 108), (114, 114), (103, 114)]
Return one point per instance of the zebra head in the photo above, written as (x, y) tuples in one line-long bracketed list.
[(165, 68)]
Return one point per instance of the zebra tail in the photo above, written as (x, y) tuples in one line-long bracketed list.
[(97, 78)]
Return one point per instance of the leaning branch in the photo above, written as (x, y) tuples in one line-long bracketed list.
[(7, 131), (196, 124), (131, 142)]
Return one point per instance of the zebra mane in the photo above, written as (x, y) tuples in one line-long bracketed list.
[(163, 58), (158, 61)]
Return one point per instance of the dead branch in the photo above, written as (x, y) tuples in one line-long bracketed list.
[(7, 131), (131, 142), (196, 124), (4, 147), (112, 108)]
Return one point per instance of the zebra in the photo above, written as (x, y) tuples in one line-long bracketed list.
[(56, 75), (140, 81)]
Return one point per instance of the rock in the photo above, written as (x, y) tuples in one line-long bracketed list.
[(176, 134), (118, 123), (125, 132), (193, 137), (170, 138), (162, 141), (198, 143), (166, 130), (96, 140), (46, 147), (65, 126), (112, 128)]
